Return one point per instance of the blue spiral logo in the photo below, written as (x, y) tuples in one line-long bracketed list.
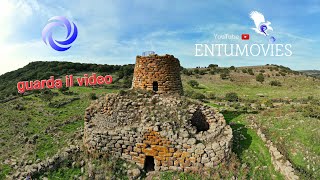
[(55, 44)]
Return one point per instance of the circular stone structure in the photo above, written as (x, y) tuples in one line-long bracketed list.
[(157, 73), (157, 131)]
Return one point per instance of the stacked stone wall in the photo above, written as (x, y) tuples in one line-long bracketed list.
[(174, 145), (164, 70)]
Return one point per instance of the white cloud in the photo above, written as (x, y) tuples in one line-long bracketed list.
[(110, 33)]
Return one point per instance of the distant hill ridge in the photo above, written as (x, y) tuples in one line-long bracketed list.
[(314, 73), (44, 69)]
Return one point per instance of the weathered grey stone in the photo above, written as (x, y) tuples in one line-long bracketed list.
[(191, 141), (200, 146)]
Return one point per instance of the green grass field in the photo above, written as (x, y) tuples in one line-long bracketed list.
[(24, 122)]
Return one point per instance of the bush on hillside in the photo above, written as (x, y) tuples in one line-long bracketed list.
[(46, 95), (224, 76), (211, 95), (232, 68), (187, 72), (275, 83), (212, 72), (188, 93), (64, 89), (193, 83), (282, 73), (260, 78), (232, 97), (198, 96), (93, 96), (312, 110), (250, 71), (213, 66), (202, 72)]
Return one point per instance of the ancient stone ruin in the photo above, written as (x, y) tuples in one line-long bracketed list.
[(157, 131), (157, 73)]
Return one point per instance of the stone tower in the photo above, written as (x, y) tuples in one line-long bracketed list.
[(158, 73)]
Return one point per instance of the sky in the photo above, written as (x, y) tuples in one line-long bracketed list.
[(115, 32)]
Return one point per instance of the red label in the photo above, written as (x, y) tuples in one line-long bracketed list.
[(245, 36)]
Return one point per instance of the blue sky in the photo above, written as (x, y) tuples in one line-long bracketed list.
[(114, 32)]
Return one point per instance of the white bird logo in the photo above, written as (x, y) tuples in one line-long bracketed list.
[(262, 26)]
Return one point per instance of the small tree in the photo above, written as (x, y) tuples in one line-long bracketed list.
[(260, 78), (193, 83)]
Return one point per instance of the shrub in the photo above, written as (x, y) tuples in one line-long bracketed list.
[(211, 95), (275, 83), (312, 110), (213, 66), (93, 96), (282, 73), (47, 95), (193, 83), (127, 83), (64, 89), (244, 71), (260, 78), (224, 76), (232, 68), (188, 93), (232, 96), (202, 72), (122, 92), (198, 96), (187, 72), (212, 72), (262, 71), (250, 71)]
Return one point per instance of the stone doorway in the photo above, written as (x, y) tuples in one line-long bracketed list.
[(199, 121), (149, 164), (155, 86)]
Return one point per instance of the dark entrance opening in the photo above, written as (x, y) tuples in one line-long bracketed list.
[(199, 121), (149, 164), (155, 85)]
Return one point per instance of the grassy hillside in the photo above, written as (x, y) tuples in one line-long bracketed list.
[(43, 70), (285, 104), (314, 73)]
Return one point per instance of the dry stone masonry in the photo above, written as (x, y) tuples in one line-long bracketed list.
[(154, 127), (157, 73), (157, 132)]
